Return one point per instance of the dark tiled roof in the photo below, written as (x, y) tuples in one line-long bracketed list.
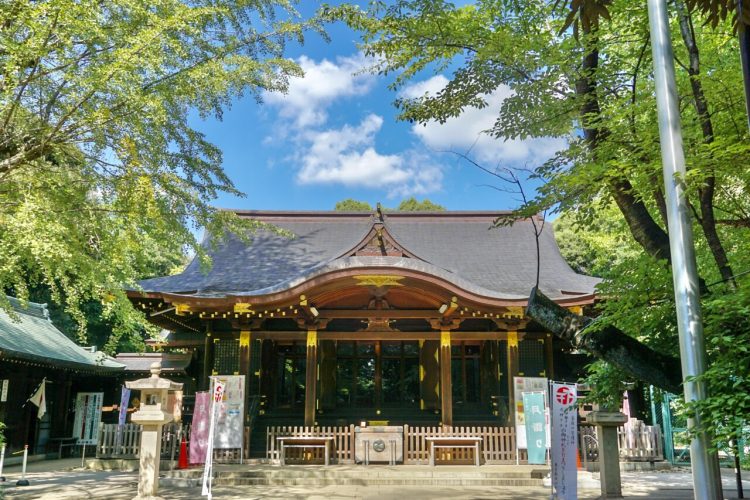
[(459, 246), (30, 335)]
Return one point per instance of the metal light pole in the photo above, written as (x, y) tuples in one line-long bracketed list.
[(706, 480)]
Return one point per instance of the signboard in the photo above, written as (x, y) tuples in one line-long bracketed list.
[(533, 406), (564, 410), (4, 391), (199, 430), (230, 412), (88, 416), (521, 385)]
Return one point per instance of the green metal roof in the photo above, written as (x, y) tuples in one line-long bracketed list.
[(29, 335)]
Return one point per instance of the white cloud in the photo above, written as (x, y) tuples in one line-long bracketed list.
[(308, 98), (348, 156), (430, 87), (467, 131)]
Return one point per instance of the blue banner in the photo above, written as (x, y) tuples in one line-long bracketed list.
[(124, 401), (533, 410)]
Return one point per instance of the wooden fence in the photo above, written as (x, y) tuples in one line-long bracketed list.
[(123, 441), (343, 442), (640, 442), (499, 443), (637, 442)]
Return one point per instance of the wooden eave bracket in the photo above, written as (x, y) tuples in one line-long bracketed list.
[(442, 324), (448, 309)]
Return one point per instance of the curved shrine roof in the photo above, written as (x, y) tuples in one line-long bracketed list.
[(460, 247)]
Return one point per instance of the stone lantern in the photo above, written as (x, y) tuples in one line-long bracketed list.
[(152, 415)]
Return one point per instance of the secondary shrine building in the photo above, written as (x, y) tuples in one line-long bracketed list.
[(343, 317)]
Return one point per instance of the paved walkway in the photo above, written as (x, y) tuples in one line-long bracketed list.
[(63, 479)]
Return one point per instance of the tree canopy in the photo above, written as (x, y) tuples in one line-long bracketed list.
[(352, 205), (102, 179), (413, 205), (586, 76), (410, 204)]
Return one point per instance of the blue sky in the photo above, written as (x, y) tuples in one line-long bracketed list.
[(334, 135)]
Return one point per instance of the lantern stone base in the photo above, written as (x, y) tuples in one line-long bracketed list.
[(148, 472), (609, 454)]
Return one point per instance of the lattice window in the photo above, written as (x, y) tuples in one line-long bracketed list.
[(531, 358), (226, 356)]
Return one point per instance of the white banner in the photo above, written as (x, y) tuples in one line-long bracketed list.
[(528, 384), (88, 416), (230, 414), (217, 394), (564, 441)]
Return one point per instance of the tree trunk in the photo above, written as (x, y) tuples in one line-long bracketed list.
[(609, 344), (706, 192), (644, 228)]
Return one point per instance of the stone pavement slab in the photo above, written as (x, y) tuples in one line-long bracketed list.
[(55, 480)]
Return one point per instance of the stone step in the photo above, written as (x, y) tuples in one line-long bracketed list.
[(370, 472), (320, 482), (319, 476)]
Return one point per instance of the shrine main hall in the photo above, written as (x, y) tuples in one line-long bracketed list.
[(342, 317)]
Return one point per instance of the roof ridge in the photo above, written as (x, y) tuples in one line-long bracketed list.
[(368, 213), (28, 307)]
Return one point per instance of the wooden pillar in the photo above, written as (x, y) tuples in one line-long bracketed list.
[(245, 343), (446, 388), (311, 377), (429, 374), (67, 425), (512, 353), (208, 346), (549, 369)]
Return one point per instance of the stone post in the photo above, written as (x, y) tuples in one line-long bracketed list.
[(607, 423), (152, 415)]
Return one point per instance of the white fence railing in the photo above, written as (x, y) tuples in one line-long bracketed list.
[(123, 441), (637, 441)]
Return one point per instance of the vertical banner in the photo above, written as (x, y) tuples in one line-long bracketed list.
[(87, 418), (124, 401), (536, 435), (564, 451), (199, 429), (230, 414), (217, 394), (122, 415), (521, 385)]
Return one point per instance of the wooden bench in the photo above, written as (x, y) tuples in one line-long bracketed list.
[(305, 442), (436, 443), (64, 442)]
